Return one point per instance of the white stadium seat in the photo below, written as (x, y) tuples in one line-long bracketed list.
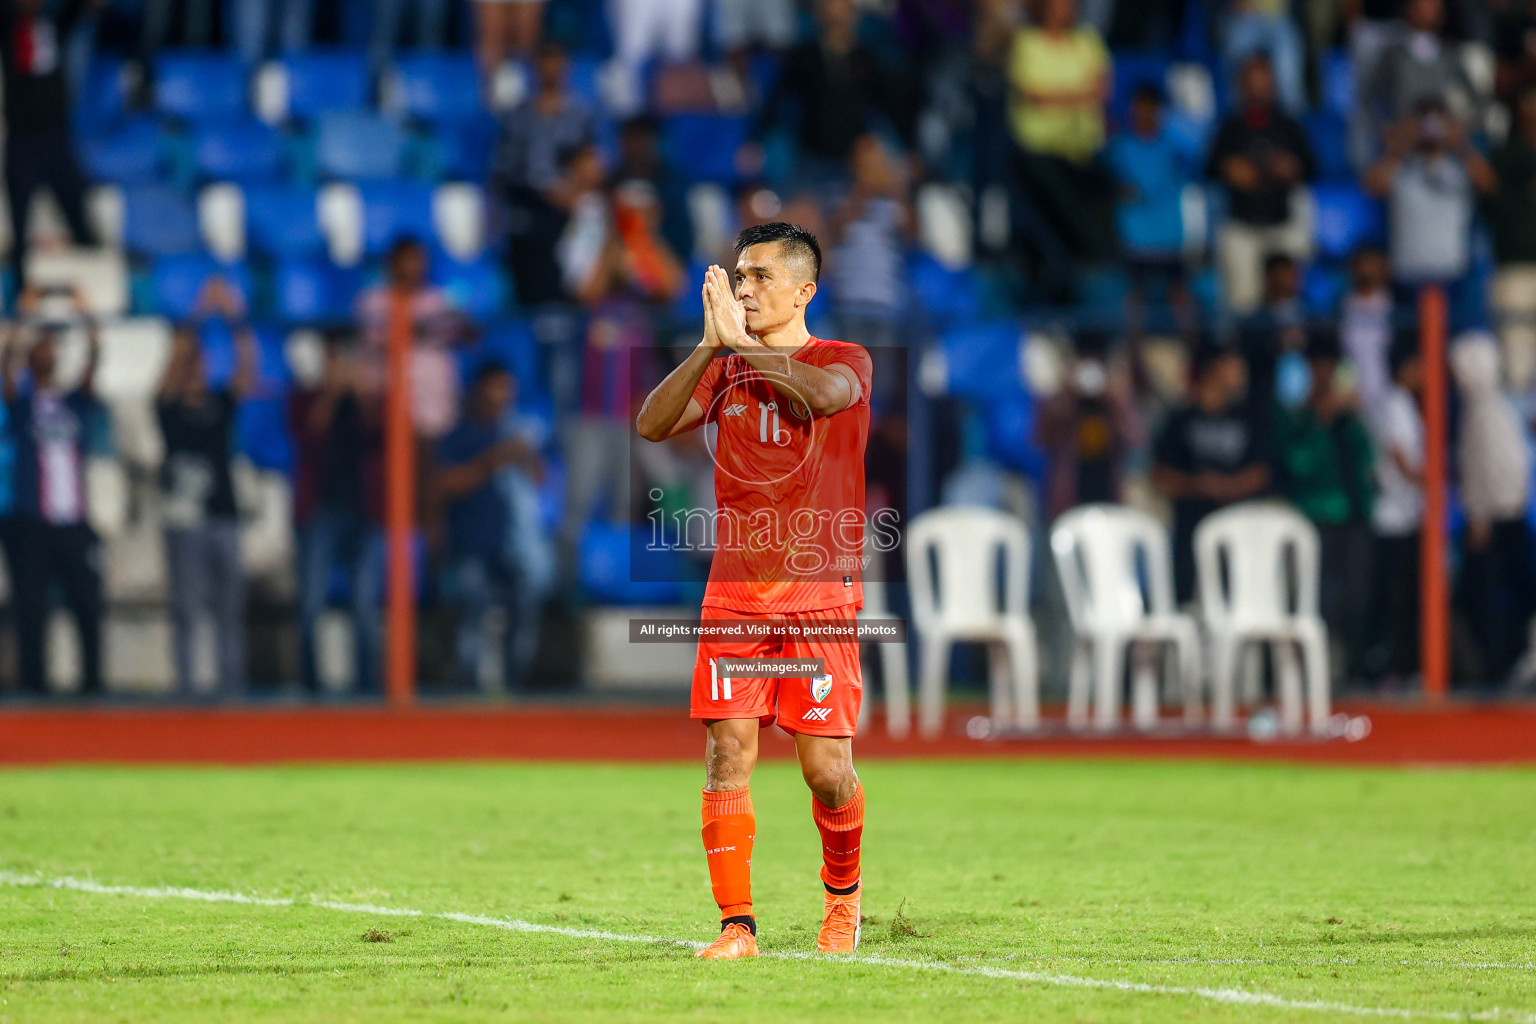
[(221, 216), (958, 595), (458, 215), (944, 224), (1246, 557), (1101, 553), (340, 209)]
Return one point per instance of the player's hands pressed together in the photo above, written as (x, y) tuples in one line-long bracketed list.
[(711, 336), (725, 313)]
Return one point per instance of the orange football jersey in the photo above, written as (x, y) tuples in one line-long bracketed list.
[(789, 530)]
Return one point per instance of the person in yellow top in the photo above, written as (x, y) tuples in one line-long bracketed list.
[(1059, 77), (1060, 74)]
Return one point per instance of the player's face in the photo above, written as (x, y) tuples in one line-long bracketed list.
[(770, 291)]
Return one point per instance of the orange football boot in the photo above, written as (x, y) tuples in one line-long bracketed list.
[(735, 942), (840, 925)]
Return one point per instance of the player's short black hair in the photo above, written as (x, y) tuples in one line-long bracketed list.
[(798, 242)]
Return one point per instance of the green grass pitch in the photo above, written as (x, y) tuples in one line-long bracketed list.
[(1028, 891)]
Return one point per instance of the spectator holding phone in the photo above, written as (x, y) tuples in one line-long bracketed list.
[(1430, 175), (202, 527), (53, 545)]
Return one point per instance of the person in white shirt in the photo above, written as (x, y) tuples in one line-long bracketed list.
[(1365, 326), (1397, 517), (1496, 591)]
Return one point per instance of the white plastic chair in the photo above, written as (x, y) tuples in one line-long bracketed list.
[(1102, 552), (893, 656), (963, 599), (1253, 601)]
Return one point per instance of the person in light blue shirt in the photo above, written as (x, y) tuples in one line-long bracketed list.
[(1151, 172)]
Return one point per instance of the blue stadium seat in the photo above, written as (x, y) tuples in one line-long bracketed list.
[(316, 291), (263, 436), (467, 148), (511, 343), (1346, 219), (1329, 134), (159, 221), (583, 78), (948, 296), (178, 279), (1205, 286), (615, 567), (479, 289), (240, 151), (102, 99), (133, 153), (220, 355), (1323, 289), (281, 221), (1190, 136), (1134, 69), (1338, 83), (326, 81), (438, 87), (702, 147), (393, 209), (686, 310), (362, 146), (197, 85), (982, 361), (1010, 433)]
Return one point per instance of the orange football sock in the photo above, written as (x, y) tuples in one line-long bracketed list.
[(729, 828), (842, 829)]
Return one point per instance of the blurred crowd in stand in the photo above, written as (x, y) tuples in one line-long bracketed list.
[(1167, 252)]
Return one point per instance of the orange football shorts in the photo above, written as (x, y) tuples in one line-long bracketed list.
[(827, 705)]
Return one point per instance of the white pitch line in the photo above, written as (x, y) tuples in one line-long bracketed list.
[(1238, 961), (1231, 996)]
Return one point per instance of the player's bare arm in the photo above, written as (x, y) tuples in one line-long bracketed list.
[(826, 390), (670, 408)]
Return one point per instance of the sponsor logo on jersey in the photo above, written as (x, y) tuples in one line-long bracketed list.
[(820, 687), (817, 715), (736, 409)]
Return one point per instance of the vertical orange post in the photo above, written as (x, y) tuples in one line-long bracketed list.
[(399, 505), (1434, 588)]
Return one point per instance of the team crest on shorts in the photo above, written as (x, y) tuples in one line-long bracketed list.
[(820, 687)]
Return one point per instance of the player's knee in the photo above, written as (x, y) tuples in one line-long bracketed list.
[(729, 766), (830, 783)]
